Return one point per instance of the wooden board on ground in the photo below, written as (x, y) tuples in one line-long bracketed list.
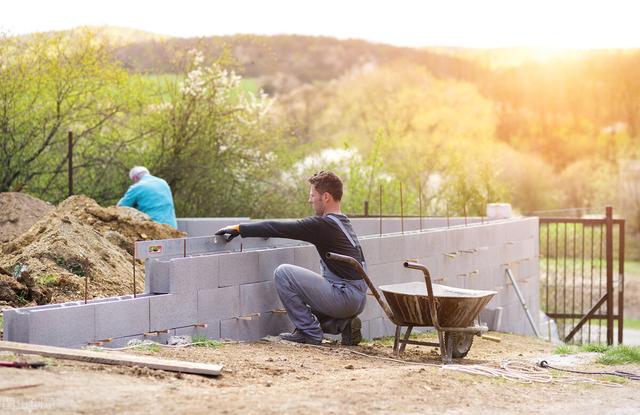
[(113, 358)]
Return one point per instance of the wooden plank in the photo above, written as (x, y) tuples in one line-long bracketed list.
[(113, 358)]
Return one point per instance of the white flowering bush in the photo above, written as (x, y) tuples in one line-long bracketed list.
[(213, 141)]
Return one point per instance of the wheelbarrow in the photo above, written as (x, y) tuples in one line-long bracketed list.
[(453, 312)]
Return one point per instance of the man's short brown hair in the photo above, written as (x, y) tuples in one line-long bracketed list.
[(327, 181)]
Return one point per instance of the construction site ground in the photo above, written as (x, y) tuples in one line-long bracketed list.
[(279, 377)]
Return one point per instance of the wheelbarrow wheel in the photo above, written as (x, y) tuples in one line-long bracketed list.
[(461, 343)]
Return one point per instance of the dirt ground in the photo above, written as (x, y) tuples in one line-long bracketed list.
[(18, 211), (282, 378), (77, 240)]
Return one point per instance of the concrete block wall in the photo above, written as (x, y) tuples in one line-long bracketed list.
[(233, 293), (196, 227)]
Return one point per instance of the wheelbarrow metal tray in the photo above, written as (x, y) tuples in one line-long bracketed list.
[(456, 307)]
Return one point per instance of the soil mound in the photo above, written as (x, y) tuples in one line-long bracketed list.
[(78, 240), (18, 211)]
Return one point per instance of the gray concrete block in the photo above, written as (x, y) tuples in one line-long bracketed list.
[(16, 325), (119, 342), (63, 326), (157, 273), (376, 328), (122, 318), (464, 238), (259, 298), (392, 248), (238, 268), (212, 331), (365, 330), (492, 234), (194, 273), (371, 249), (306, 257), (243, 330), (269, 260), (168, 311), (273, 324), (218, 303), (371, 309)]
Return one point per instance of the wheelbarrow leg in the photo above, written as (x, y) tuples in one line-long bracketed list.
[(443, 348), (447, 356), (396, 341), (406, 337)]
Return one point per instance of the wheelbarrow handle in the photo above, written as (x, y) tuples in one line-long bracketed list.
[(433, 311), (354, 263)]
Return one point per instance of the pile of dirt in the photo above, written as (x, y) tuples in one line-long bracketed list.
[(18, 211), (78, 240)]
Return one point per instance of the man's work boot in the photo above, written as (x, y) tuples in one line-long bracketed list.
[(351, 335), (298, 336)]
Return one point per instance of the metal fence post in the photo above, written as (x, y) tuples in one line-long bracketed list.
[(70, 161), (609, 254)]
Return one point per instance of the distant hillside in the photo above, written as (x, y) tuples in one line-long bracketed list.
[(292, 59), (112, 35)]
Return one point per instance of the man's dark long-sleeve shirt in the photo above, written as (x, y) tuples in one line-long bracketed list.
[(320, 231)]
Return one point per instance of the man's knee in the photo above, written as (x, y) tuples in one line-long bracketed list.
[(282, 273)]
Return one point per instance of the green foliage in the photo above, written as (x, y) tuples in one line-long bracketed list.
[(632, 324), (147, 347), (50, 84), (211, 141), (49, 279), (620, 355), (203, 341), (566, 349), (594, 347)]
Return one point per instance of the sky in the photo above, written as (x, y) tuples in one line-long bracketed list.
[(415, 23)]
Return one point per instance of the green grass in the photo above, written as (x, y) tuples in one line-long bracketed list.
[(595, 347), (1, 322), (166, 81), (150, 348), (610, 355), (566, 349), (620, 355), (632, 324), (203, 341), (49, 279)]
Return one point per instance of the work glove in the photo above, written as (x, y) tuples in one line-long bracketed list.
[(229, 232)]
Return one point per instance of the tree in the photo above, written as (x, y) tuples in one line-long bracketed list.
[(50, 84), (213, 142)]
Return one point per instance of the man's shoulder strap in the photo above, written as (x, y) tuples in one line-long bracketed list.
[(343, 228)]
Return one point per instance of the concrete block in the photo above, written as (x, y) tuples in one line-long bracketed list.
[(156, 275), (464, 238), (238, 268), (365, 329), (371, 309), (392, 248), (194, 273), (306, 257), (168, 311), (274, 324), (212, 331), (63, 326), (122, 318), (370, 248), (492, 234), (243, 330), (389, 327), (16, 325), (119, 342), (259, 298), (218, 303), (269, 260), (376, 328)]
